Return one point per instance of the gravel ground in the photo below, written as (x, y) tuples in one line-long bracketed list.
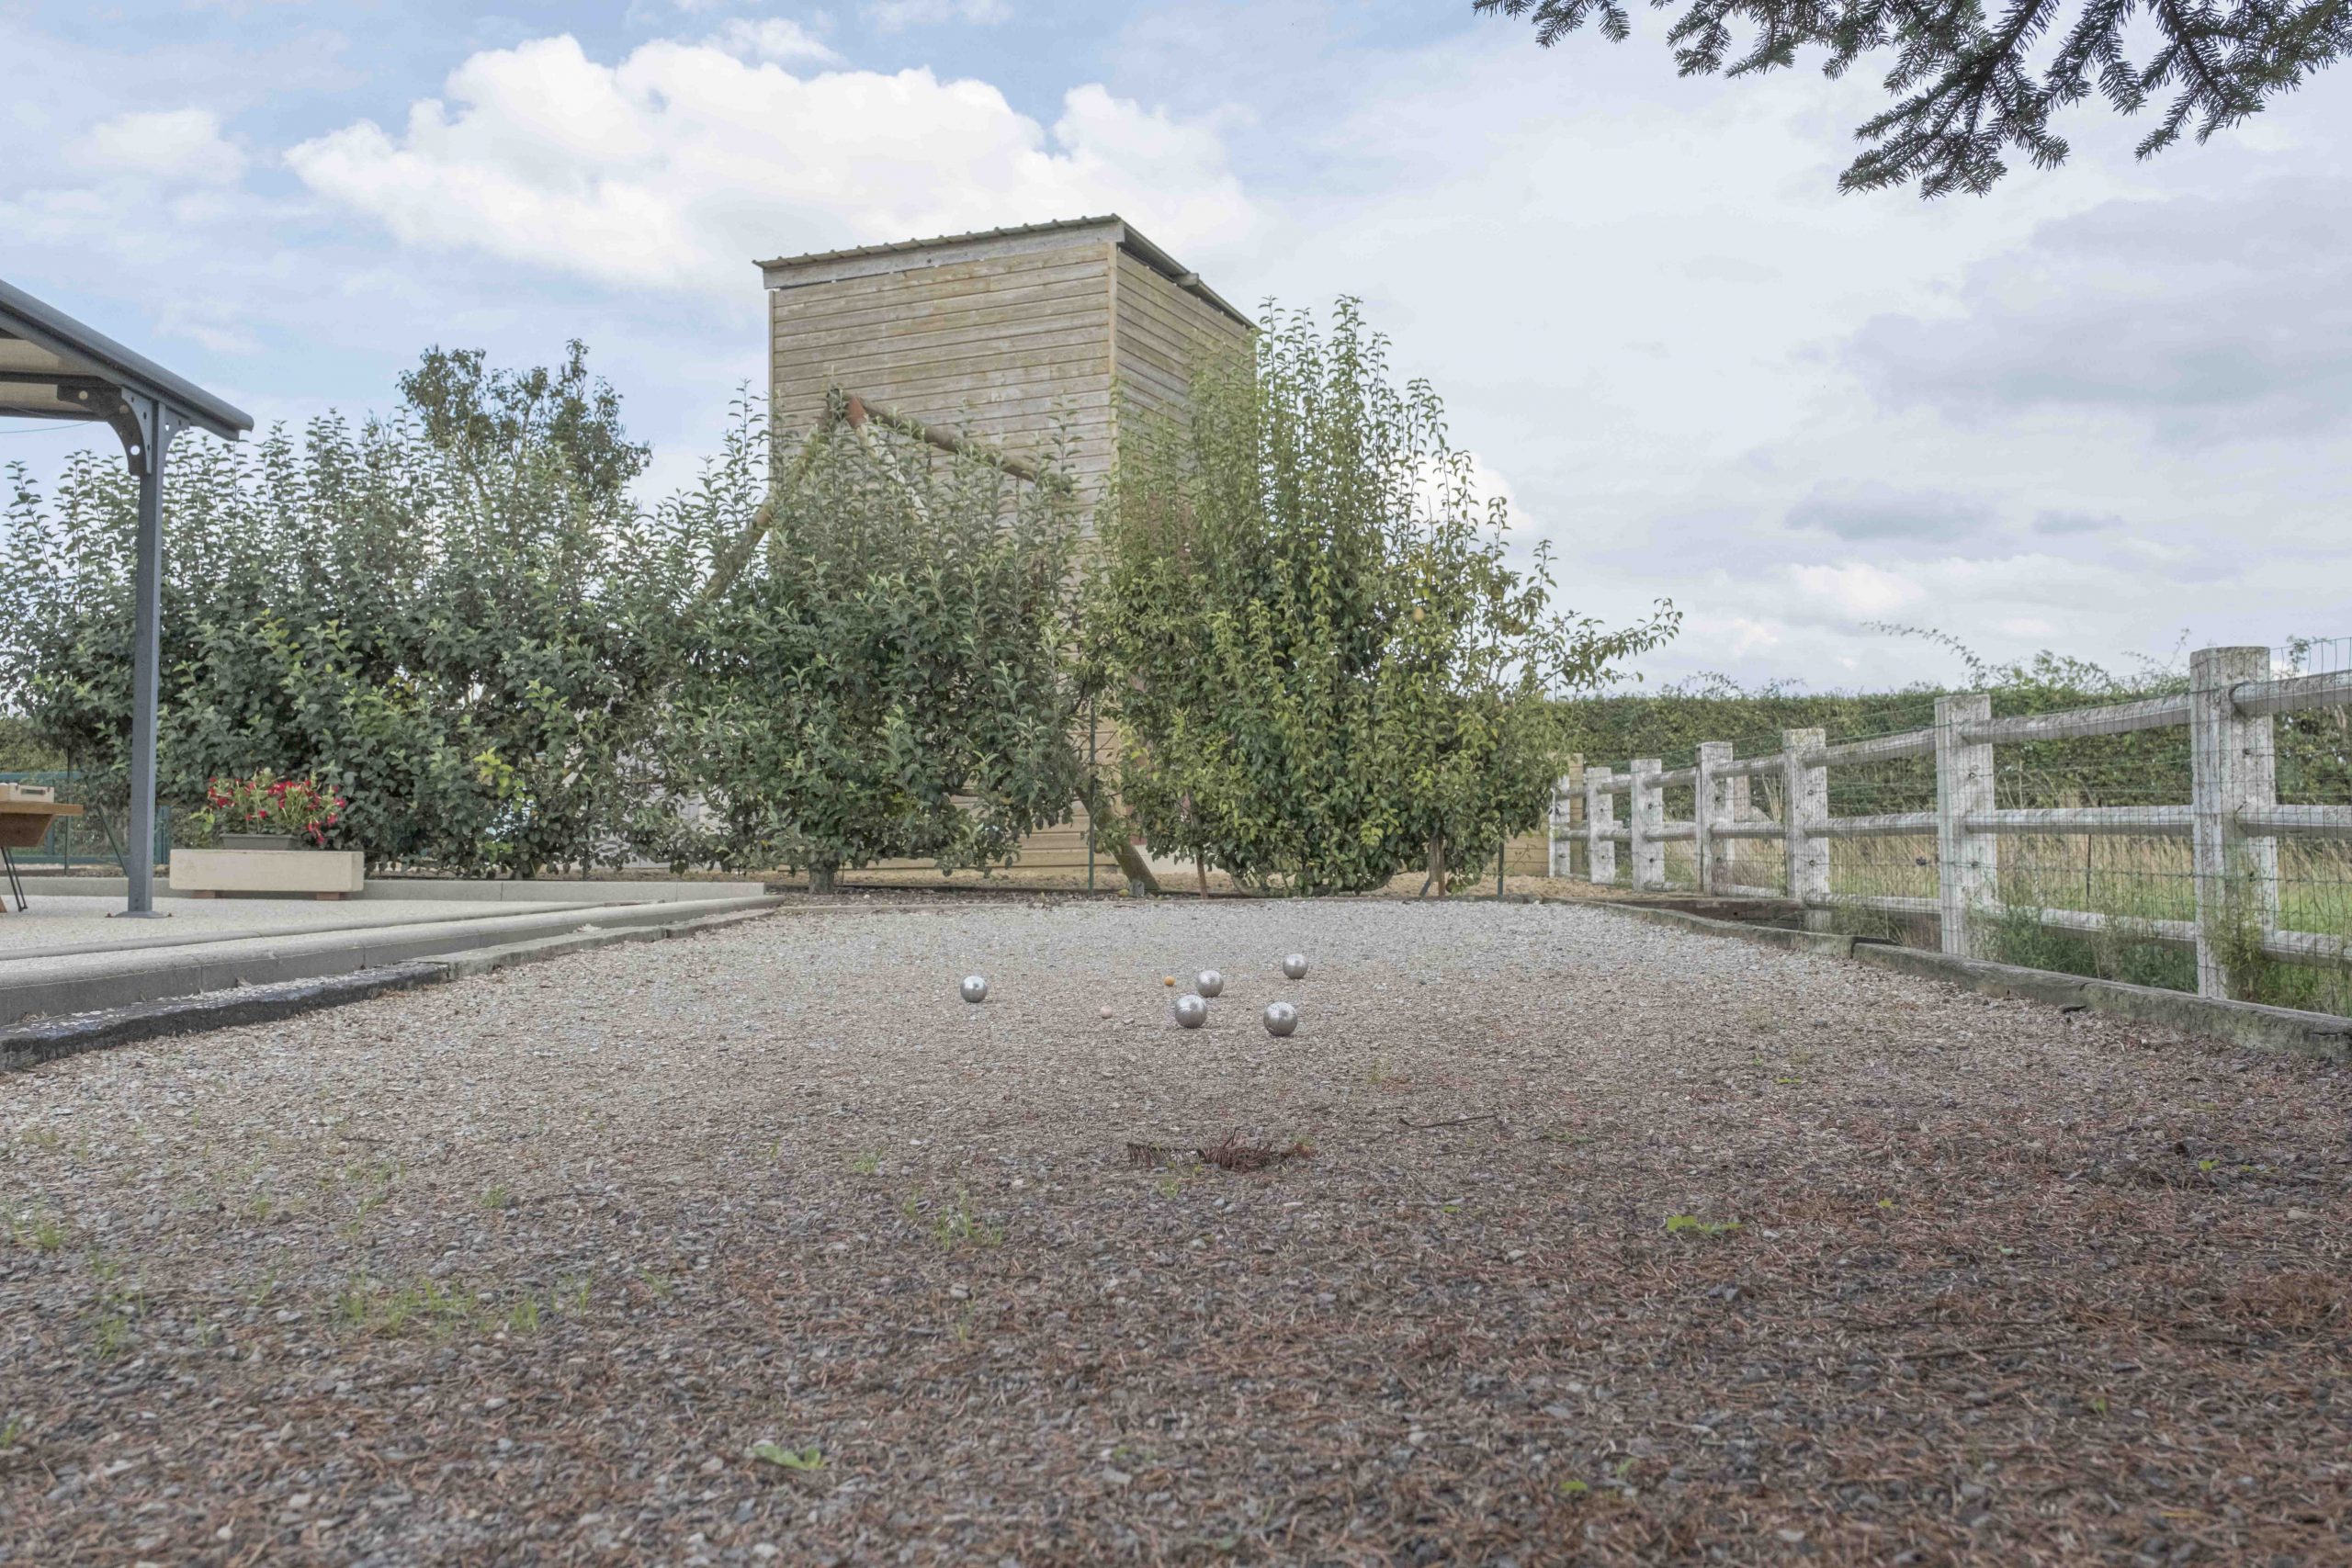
[(1615, 1242)]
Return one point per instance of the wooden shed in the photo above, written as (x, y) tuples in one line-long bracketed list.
[(1010, 337)]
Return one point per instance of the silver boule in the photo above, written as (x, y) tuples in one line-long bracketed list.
[(1192, 1011), (975, 988), (1210, 983), (1281, 1019), (1296, 967)]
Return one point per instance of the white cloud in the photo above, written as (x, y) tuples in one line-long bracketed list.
[(772, 39), (1855, 591), (185, 144), (680, 165), (890, 15)]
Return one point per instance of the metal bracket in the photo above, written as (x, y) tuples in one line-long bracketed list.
[(146, 428)]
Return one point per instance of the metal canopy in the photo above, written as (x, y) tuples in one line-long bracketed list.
[(52, 366)]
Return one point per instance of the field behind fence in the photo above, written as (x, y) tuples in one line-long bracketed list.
[(2198, 840)]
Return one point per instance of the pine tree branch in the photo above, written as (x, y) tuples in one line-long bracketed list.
[(1964, 90)]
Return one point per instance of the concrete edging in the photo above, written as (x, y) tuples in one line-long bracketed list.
[(1830, 942), (29, 1044), (449, 890), (173, 972), (2315, 1034)]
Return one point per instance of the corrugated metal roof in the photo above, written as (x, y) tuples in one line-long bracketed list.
[(892, 246), (1130, 238), (40, 340)]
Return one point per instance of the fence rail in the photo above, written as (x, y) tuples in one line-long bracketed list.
[(2233, 820)]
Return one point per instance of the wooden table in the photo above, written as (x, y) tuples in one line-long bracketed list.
[(23, 825)]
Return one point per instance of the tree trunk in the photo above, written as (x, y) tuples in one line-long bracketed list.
[(1132, 864), (820, 878), (1437, 867)]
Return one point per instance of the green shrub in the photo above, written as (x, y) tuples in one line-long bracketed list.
[(891, 678), (1322, 666), (453, 616)]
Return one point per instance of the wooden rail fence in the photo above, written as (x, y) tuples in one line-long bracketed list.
[(2233, 820)]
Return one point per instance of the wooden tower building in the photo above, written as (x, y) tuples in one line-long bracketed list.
[(1010, 338)]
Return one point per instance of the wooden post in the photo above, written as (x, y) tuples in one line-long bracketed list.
[(1644, 817), (1967, 865), (2231, 766), (1711, 809), (1806, 805), (1599, 817)]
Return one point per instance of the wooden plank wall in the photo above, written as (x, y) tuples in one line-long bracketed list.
[(1011, 350), (1164, 337)]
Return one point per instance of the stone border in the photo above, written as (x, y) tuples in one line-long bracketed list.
[(156, 974), (451, 890), (29, 1044), (2320, 1035)]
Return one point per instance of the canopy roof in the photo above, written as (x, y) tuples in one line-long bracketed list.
[(52, 366)]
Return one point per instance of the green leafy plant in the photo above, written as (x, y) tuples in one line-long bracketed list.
[(889, 678), (42, 1232), (960, 1225), (432, 1306), (455, 616), (118, 1307), (806, 1461), (1322, 666), (1691, 1224)]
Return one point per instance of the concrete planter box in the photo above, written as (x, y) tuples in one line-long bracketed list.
[(312, 874)]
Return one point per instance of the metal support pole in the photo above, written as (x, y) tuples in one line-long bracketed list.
[(146, 659), (2231, 766), (146, 430), (1090, 733), (1966, 864)]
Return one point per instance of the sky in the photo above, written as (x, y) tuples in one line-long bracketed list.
[(2106, 409)]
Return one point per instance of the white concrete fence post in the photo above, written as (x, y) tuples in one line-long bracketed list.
[(1599, 817), (1711, 807), (1967, 865), (2231, 766), (1805, 808), (1561, 825), (1642, 821)]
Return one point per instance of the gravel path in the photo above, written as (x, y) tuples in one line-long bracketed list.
[(1615, 1243)]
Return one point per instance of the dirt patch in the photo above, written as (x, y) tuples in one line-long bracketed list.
[(1619, 1243)]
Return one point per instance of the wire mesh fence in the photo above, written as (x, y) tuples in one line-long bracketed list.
[(2196, 837), (92, 842)]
